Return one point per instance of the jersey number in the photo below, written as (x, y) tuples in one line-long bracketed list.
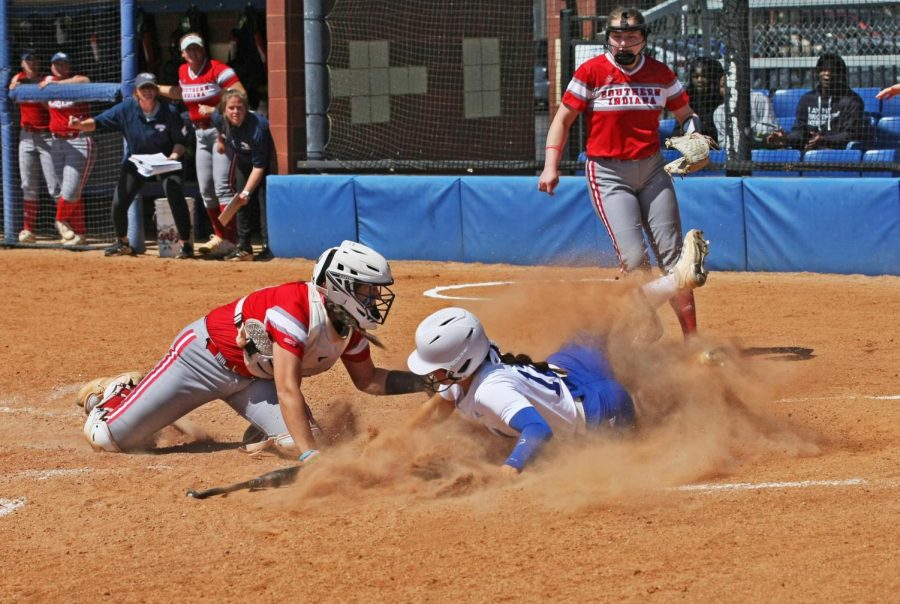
[(552, 384)]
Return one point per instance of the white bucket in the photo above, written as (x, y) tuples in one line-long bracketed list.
[(167, 234)]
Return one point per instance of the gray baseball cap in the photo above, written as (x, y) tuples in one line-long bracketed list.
[(145, 79), (60, 56)]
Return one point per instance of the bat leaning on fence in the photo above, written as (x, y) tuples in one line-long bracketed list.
[(273, 479)]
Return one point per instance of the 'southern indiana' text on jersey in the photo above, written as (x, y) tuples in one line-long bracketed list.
[(622, 108), (204, 87), (499, 391), (295, 319)]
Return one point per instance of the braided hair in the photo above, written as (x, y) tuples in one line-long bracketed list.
[(509, 358)]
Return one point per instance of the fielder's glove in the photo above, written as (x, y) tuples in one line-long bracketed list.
[(694, 150), (92, 393)]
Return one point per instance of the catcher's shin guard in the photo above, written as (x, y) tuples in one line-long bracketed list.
[(97, 433)]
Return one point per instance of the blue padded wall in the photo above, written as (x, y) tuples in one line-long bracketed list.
[(410, 217), (838, 225), (715, 205), (308, 214), (506, 219), (828, 225)]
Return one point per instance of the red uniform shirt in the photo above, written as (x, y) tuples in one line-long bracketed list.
[(284, 310), (32, 116), (205, 87), (622, 109), (61, 110)]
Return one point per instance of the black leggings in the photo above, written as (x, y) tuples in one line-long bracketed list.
[(240, 172), (129, 185)]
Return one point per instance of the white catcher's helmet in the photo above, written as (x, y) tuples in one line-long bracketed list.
[(357, 278), (451, 339)]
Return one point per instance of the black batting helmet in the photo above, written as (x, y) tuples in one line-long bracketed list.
[(618, 21)]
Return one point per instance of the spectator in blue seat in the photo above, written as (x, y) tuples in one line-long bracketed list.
[(704, 93), (762, 117), (829, 116)]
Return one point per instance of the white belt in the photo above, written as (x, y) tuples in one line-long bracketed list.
[(581, 420)]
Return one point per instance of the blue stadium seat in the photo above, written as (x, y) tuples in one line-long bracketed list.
[(778, 156), (667, 127), (879, 155), (786, 123), (715, 157), (887, 133), (890, 107), (582, 158), (832, 155), (873, 105), (785, 101), (670, 154)]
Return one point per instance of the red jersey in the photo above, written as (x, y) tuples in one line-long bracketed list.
[(61, 110), (622, 109), (204, 87), (32, 116), (293, 317)]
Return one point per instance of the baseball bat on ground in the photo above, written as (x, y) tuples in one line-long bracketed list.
[(273, 479)]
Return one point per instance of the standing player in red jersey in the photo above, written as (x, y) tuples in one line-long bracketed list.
[(201, 82), (72, 151), (622, 94), (34, 148)]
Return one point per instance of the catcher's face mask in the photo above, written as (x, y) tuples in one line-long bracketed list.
[(626, 37), (377, 299)]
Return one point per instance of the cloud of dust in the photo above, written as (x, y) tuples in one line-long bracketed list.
[(696, 421)]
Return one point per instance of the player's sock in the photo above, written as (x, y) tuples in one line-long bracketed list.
[(683, 303), (62, 210), (218, 227), (78, 217), (30, 210)]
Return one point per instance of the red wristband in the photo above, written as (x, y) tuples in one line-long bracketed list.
[(557, 147)]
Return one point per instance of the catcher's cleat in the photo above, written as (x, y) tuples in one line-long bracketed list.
[(239, 255), (97, 391), (690, 270), (26, 236), (216, 246)]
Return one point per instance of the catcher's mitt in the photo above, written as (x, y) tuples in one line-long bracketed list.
[(694, 150), (92, 393)]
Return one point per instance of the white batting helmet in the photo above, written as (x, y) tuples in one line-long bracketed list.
[(356, 277), (452, 339)]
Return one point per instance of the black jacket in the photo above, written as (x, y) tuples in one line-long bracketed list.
[(839, 117)]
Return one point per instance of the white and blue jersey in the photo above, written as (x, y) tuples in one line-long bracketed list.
[(521, 401)]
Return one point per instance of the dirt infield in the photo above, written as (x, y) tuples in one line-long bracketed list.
[(775, 477)]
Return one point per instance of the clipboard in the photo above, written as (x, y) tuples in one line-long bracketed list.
[(231, 209)]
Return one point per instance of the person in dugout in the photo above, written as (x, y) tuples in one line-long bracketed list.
[(150, 126)]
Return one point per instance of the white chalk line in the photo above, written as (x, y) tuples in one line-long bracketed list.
[(41, 412), (871, 397), (8, 506), (435, 292)]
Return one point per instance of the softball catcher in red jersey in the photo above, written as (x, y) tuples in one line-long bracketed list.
[(254, 352), (622, 94)]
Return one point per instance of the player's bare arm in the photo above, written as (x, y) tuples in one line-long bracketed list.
[(170, 92), (86, 125), (177, 152), (290, 397), (557, 136)]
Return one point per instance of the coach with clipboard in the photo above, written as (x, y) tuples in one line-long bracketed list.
[(245, 138)]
